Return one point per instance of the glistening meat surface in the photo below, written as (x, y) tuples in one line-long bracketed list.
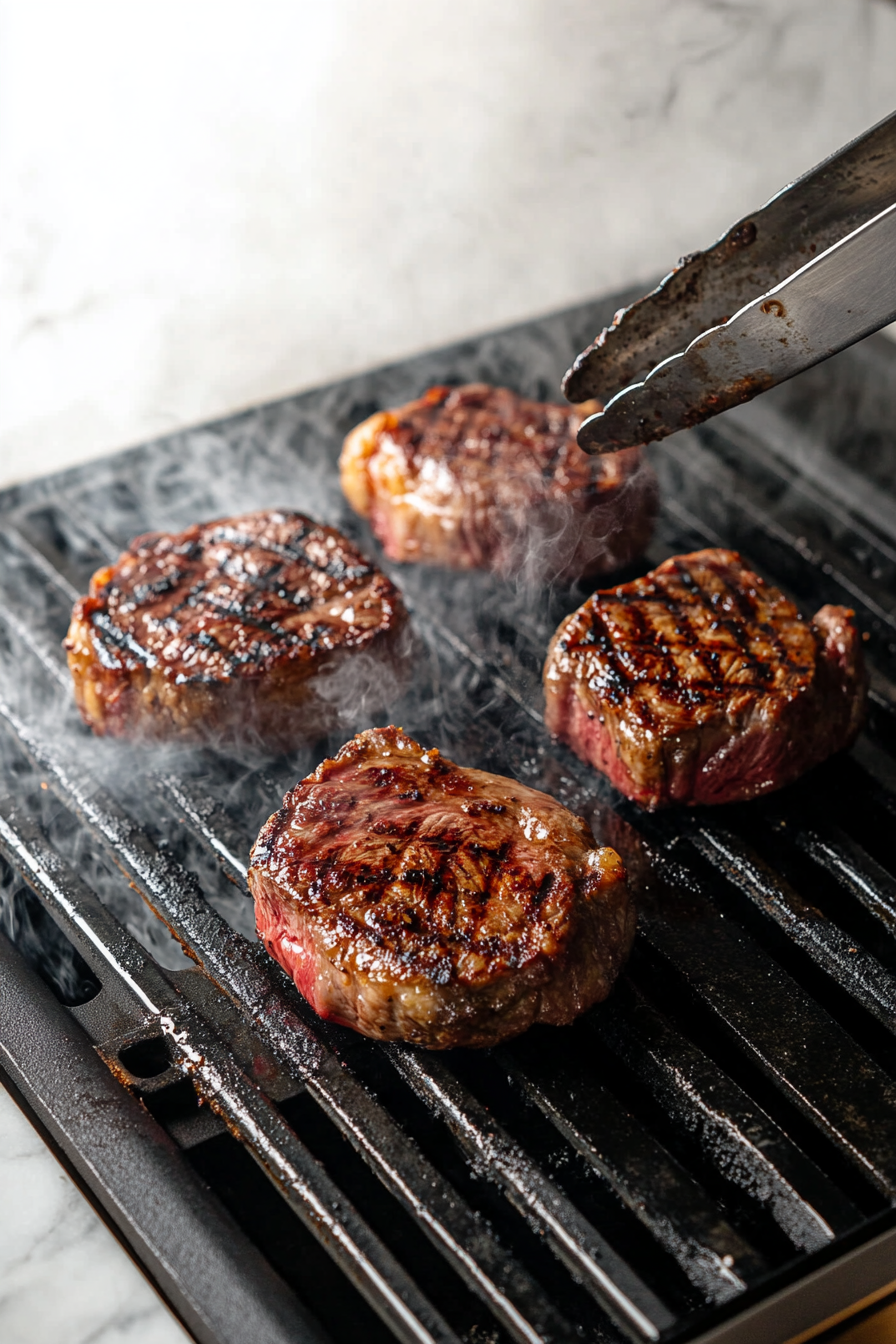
[(701, 683), (476, 477), (411, 898), (234, 628)]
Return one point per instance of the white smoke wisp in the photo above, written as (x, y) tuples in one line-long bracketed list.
[(362, 686), (563, 539), (43, 703), (435, 685)]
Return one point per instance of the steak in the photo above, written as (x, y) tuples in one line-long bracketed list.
[(700, 683), (476, 477), (239, 627), (413, 899)]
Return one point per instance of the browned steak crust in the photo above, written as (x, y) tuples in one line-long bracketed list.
[(235, 627), (411, 898), (477, 477), (700, 683)]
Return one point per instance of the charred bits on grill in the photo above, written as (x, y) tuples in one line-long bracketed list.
[(410, 898), (234, 629), (477, 477), (701, 683)]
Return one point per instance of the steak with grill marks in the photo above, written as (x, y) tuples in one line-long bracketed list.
[(477, 477), (700, 683), (237, 628), (411, 898)]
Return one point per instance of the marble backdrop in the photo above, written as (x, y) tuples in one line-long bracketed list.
[(207, 203), (64, 1279)]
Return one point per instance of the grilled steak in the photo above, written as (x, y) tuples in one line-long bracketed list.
[(700, 683), (411, 898), (237, 627), (476, 477)]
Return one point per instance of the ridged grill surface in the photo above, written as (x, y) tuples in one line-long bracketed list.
[(722, 1123)]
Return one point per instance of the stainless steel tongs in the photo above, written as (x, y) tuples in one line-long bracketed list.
[(811, 272)]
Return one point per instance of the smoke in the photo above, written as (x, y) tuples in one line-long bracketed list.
[(438, 688), (363, 685), (567, 539)]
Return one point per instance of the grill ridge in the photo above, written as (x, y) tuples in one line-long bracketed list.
[(687, 1225), (502, 1160), (756, 1156)]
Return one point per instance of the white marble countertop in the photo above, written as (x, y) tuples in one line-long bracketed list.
[(64, 1278), (222, 204), (209, 204)]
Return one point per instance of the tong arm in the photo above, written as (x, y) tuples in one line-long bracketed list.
[(759, 252)]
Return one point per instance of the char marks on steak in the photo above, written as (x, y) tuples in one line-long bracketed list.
[(700, 683), (477, 477), (413, 899), (236, 627)]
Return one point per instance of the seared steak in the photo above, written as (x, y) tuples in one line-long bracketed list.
[(237, 627), (478, 478), (411, 898), (700, 683)]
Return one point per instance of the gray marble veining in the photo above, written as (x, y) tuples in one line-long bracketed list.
[(64, 1278), (205, 213)]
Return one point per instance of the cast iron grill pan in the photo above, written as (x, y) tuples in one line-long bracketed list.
[(722, 1128)]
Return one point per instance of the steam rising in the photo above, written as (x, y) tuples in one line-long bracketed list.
[(565, 540), (362, 684), (283, 456)]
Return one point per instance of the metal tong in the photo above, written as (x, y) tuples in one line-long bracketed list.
[(820, 255)]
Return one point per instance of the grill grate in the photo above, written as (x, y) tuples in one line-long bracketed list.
[(725, 1125)]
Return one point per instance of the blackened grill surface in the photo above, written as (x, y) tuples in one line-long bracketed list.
[(720, 1127)]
